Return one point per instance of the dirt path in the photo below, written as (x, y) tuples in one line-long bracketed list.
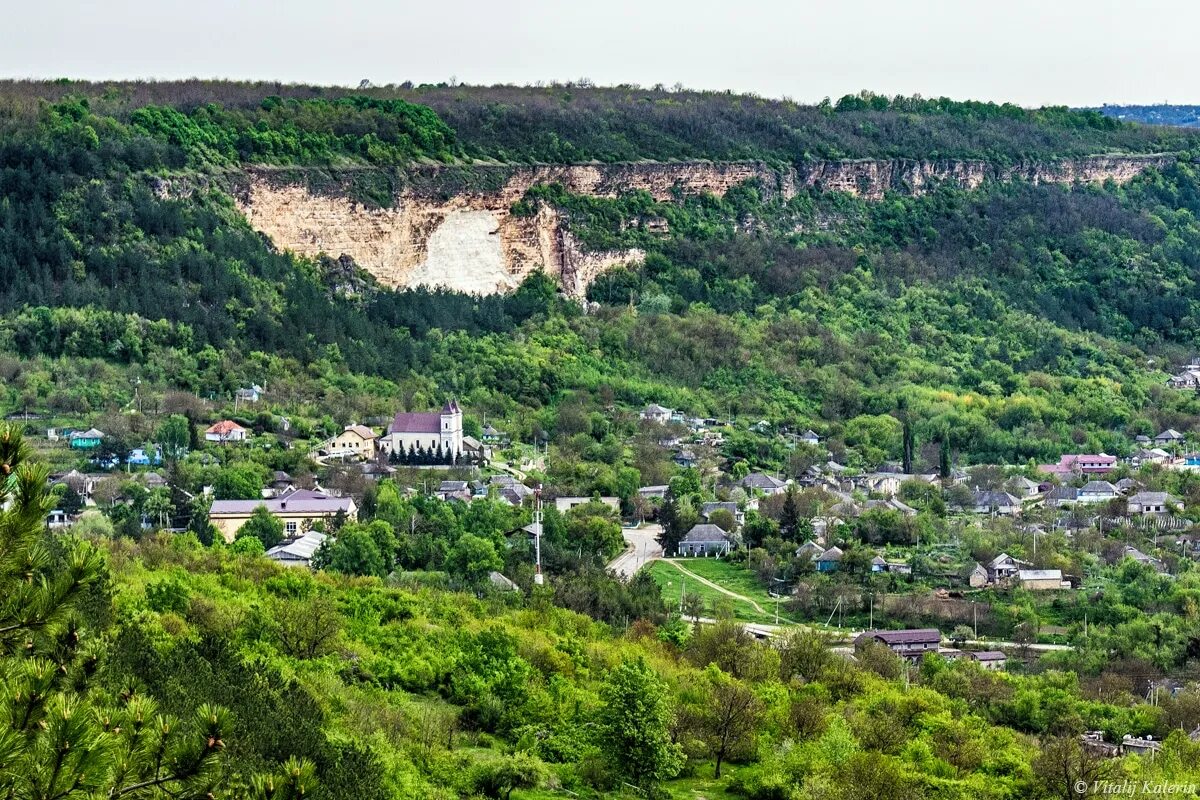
[(716, 586)]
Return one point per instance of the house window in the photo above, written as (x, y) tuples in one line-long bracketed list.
[(290, 528)]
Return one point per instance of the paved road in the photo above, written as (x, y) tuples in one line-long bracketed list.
[(641, 547)]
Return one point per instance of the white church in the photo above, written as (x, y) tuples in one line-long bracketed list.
[(426, 431)]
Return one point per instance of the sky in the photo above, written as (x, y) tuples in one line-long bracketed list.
[(1032, 52)]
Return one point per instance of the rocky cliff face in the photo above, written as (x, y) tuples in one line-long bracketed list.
[(452, 226)]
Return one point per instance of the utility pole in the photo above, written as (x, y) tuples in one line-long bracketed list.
[(538, 578)]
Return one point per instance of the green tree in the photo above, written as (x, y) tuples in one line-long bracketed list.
[(61, 739), (174, 436), (263, 526), (354, 552), (69, 500), (472, 558), (730, 718), (635, 725), (242, 481), (158, 507)]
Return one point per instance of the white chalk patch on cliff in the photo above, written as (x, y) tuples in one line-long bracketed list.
[(464, 253)]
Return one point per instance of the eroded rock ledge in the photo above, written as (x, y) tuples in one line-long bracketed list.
[(452, 226)]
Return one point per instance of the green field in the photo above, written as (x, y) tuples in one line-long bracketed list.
[(732, 577)]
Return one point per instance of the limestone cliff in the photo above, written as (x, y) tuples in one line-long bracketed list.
[(452, 226)]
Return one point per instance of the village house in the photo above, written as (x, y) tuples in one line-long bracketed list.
[(297, 510), (704, 540), (453, 490), (508, 489), (1070, 466), (1140, 557), (85, 440), (225, 431), (1021, 487), (762, 483), (977, 578), (249, 394), (297, 552), (356, 442), (810, 437), (1151, 503), (990, 659), (1169, 438), (657, 492), (431, 432), (890, 504), (810, 549), (1002, 567), (657, 414), (1127, 486), (1061, 496), (1097, 492), (883, 483), (1040, 579), (1187, 378), (476, 451), (1001, 503), (830, 560), (494, 437), (1153, 455), (685, 459), (281, 482), (565, 504), (910, 645)]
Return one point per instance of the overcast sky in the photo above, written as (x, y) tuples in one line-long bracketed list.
[(1076, 52)]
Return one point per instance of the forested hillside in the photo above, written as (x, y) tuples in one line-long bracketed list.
[(1028, 318)]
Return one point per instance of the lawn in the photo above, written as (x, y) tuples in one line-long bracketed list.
[(736, 579)]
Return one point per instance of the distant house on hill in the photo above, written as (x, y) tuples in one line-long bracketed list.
[(293, 509), (492, 435), (1001, 503), (910, 645), (297, 552), (565, 504), (356, 442), (1151, 503), (225, 431), (1069, 466), (1097, 492), (760, 482), (250, 394), (1187, 378), (1040, 579), (1169, 437), (656, 413), (738, 515), (830, 560), (990, 659), (705, 539), (85, 440)]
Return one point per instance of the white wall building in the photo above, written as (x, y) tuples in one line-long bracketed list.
[(427, 431)]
